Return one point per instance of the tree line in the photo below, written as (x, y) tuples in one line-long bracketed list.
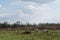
[(17, 24)]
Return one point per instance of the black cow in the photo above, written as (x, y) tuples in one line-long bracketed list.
[(27, 32)]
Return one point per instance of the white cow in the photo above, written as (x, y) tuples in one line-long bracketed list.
[(46, 30), (36, 29)]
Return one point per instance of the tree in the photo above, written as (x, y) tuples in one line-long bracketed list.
[(40, 25), (28, 24), (17, 24), (35, 25), (5, 25)]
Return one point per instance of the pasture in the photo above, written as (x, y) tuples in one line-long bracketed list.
[(11, 35)]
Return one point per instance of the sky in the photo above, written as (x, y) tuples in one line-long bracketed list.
[(30, 11)]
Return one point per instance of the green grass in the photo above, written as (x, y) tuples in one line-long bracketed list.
[(11, 35)]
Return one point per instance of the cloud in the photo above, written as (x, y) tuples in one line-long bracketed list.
[(39, 1), (32, 11), (39, 13), (21, 3), (24, 2), (3, 15), (2, 8), (21, 13), (31, 7), (0, 5), (41, 7), (57, 1), (10, 18)]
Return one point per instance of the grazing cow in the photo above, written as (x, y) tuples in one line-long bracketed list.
[(27, 32), (36, 29), (46, 30)]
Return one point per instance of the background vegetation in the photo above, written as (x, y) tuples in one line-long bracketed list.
[(40, 25)]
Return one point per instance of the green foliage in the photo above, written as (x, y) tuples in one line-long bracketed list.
[(18, 24), (5, 25), (28, 25)]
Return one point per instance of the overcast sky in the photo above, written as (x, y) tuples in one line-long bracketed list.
[(32, 11)]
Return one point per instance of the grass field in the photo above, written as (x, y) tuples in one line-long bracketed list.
[(11, 35)]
